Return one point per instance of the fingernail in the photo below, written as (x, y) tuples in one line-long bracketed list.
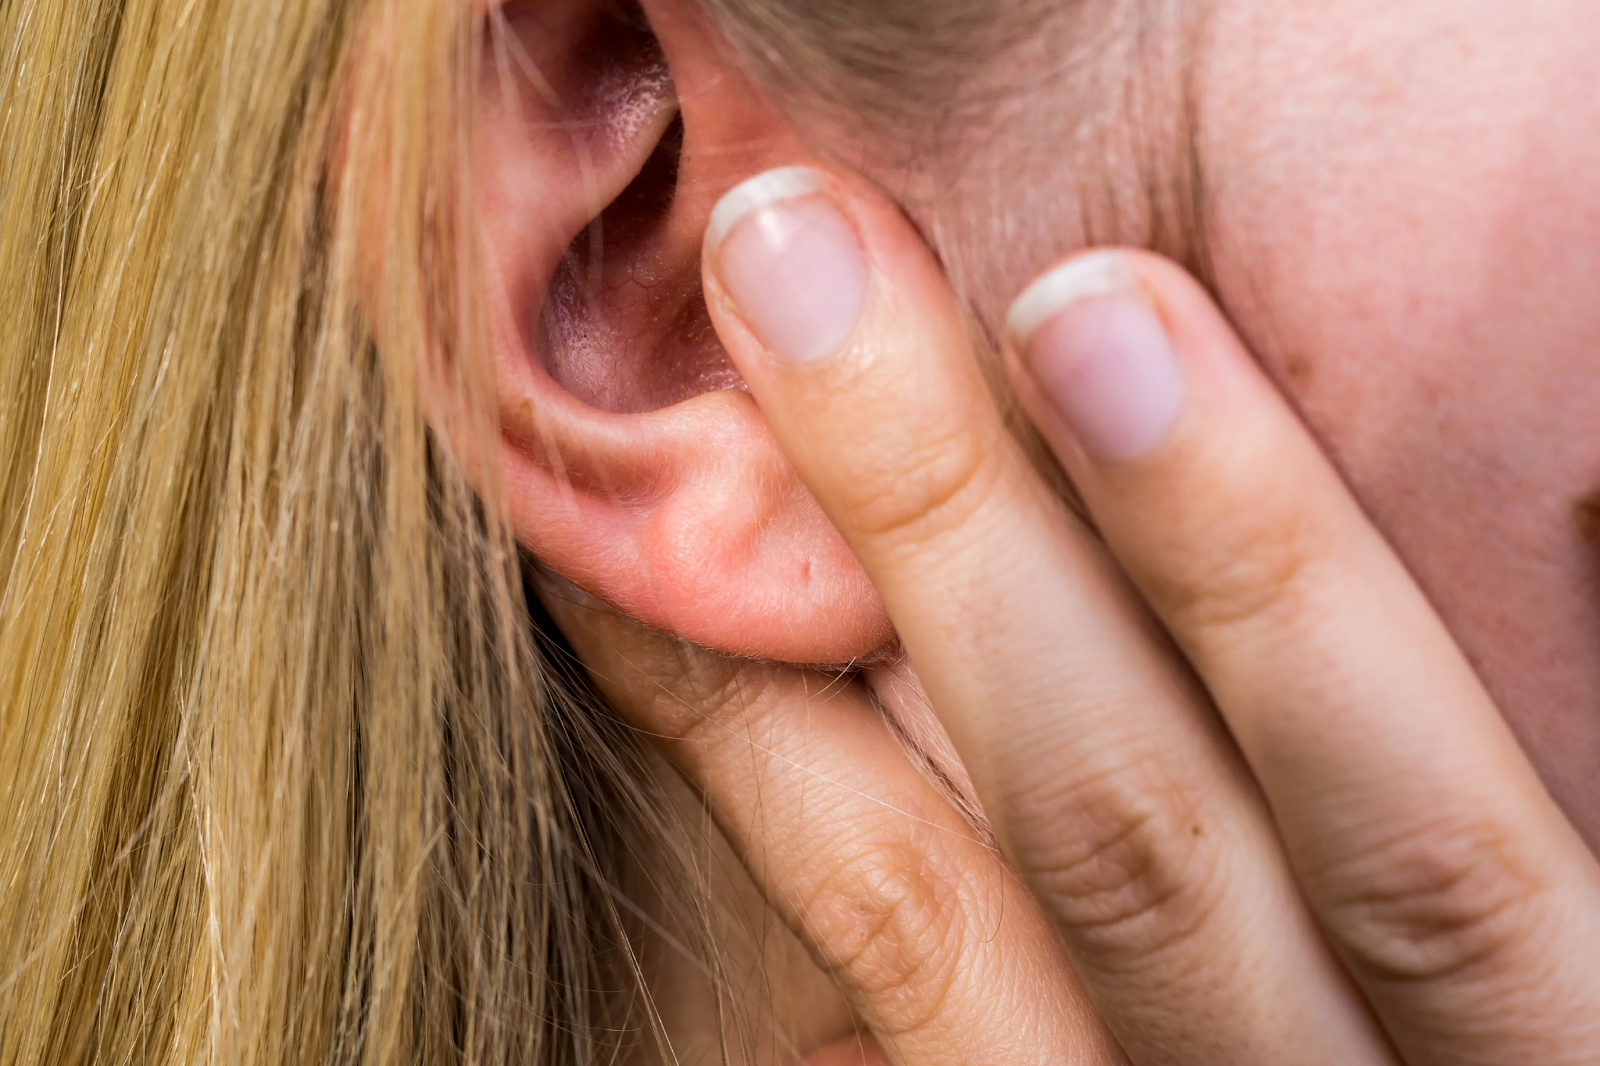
[(790, 261), (1101, 355)]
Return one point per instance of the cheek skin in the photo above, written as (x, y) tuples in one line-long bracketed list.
[(1401, 219), (1407, 232)]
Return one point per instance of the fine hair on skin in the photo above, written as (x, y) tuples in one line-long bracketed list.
[(981, 112)]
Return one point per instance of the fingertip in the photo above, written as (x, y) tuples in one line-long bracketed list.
[(1098, 356), (1118, 353), (790, 263), (857, 354)]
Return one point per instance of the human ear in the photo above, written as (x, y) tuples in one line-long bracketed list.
[(635, 464)]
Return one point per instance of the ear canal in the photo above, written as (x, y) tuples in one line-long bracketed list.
[(624, 326)]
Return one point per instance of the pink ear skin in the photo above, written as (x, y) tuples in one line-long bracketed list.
[(670, 502)]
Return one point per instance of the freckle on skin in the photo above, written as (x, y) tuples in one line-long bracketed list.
[(1586, 513), (1298, 369)]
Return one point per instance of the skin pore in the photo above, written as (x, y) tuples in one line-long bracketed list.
[(1395, 214)]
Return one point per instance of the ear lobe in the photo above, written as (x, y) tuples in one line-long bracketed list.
[(688, 519), (631, 466)]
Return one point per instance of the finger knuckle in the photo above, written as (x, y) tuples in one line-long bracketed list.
[(922, 485), (1252, 564), (1128, 866), (1435, 904), (885, 920)]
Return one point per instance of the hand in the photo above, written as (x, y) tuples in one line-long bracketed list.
[(1262, 809)]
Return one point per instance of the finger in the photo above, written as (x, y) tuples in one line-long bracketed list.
[(932, 939), (1114, 790), (1459, 894)]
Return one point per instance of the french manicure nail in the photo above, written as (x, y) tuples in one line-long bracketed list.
[(790, 261), (1101, 355)]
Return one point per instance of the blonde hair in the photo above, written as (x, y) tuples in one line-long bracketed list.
[(291, 769), (286, 774)]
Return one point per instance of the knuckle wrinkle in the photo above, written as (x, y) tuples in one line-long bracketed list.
[(888, 924), (932, 485), (1130, 874), (1258, 571), (1434, 905)]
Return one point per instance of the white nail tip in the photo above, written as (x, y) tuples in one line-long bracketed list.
[(775, 186), (1095, 274)]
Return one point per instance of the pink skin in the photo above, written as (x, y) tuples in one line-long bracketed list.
[(1403, 222), (1403, 225), (1410, 239), (667, 500)]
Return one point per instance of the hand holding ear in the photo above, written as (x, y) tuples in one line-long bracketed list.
[(1238, 761)]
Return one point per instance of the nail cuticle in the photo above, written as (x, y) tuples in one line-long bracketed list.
[(791, 262), (1089, 335)]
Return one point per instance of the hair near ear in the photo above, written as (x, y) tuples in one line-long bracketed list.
[(285, 775), (911, 59)]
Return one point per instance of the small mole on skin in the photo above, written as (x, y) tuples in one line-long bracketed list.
[(1586, 513), (1298, 369)]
